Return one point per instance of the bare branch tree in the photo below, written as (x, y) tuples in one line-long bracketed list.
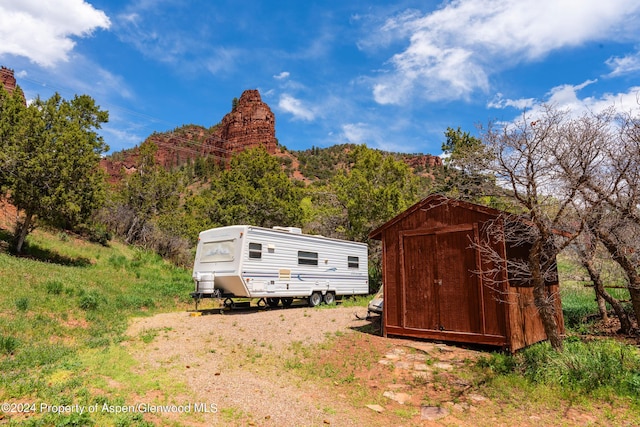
[(593, 258), (530, 159), (610, 191)]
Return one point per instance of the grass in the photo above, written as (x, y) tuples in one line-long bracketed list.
[(578, 298), (601, 368), (66, 305), (355, 301), (586, 371)]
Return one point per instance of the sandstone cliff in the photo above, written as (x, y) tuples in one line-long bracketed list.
[(251, 123), (7, 79)]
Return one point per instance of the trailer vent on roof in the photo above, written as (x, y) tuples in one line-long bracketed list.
[(294, 230)]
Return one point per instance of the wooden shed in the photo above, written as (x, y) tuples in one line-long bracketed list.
[(435, 278)]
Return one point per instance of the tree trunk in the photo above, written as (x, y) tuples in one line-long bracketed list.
[(625, 322), (22, 229), (546, 307), (634, 291), (629, 268), (544, 302), (602, 305)]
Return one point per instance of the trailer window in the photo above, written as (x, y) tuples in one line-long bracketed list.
[(307, 258), (217, 251), (353, 261), (255, 250)]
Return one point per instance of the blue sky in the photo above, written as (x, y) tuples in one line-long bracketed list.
[(393, 75)]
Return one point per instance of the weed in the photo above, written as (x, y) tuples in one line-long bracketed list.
[(588, 368), (328, 410), (54, 287), (22, 304), (293, 364), (232, 414), (406, 412), (148, 335), (118, 261), (349, 378), (8, 344), (498, 363), (356, 301), (89, 301)]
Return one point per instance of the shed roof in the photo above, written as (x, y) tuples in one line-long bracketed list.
[(433, 199)]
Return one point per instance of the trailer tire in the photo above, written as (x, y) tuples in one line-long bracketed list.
[(286, 302), (329, 298), (273, 302), (315, 299)]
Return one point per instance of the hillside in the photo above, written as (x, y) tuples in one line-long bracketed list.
[(250, 123)]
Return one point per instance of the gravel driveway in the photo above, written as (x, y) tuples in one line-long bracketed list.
[(237, 362)]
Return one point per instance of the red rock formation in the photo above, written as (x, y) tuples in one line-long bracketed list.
[(250, 124), (7, 79), (424, 161)]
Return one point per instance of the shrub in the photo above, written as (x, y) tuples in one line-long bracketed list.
[(8, 344), (587, 367), (54, 287), (22, 303), (89, 301), (498, 363), (99, 234), (118, 261)]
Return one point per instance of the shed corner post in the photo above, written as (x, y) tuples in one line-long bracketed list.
[(383, 320)]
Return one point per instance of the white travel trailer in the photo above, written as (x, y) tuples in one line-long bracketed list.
[(277, 265)]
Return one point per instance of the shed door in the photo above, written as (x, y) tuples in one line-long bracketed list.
[(440, 287), (420, 312), (458, 300)]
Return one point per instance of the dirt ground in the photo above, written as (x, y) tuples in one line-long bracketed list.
[(313, 367)]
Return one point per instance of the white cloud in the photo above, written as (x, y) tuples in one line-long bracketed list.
[(43, 31), (294, 106), (624, 65), (567, 97), (454, 50), (282, 75), (563, 96), (219, 60), (499, 102), (357, 133), (374, 136)]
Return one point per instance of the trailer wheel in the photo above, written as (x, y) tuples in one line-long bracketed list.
[(286, 302), (273, 302), (329, 298), (315, 299)]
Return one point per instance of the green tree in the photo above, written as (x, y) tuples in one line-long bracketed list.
[(255, 190), (459, 145), (52, 174), (147, 193), (464, 174), (376, 188), (12, 107)]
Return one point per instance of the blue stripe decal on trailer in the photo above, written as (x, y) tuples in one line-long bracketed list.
[(303, 276)]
